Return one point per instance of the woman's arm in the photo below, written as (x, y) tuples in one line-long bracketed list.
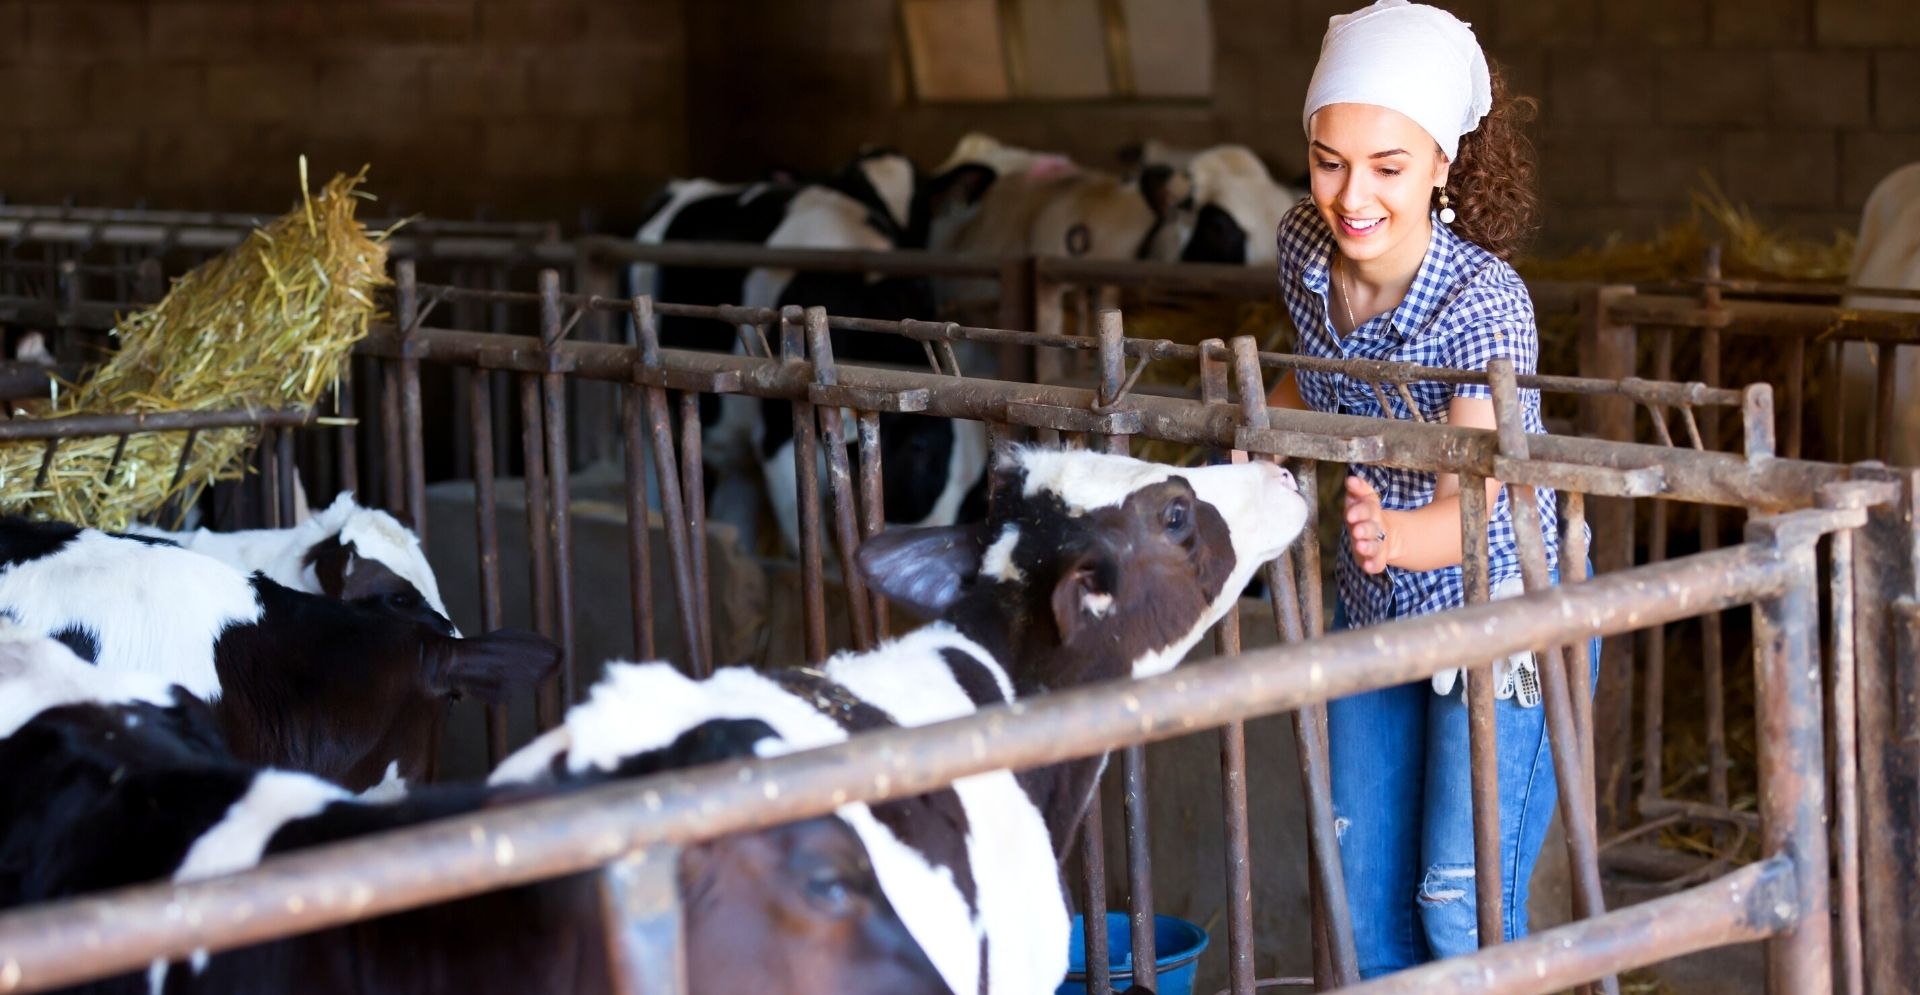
[(1425, 538), (1286, 394)]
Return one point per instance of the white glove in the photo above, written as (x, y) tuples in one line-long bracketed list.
[(1518, 674)]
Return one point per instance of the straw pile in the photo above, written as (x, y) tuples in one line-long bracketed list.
[(268, 324)]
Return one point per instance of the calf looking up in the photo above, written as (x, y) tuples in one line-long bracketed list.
[(335, 688), (116, 778), (1089, 568)]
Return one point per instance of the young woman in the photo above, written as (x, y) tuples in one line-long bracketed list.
[(1422, 186)]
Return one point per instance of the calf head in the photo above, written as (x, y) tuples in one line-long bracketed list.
[(356, 694), (368, 557), (1091, 566)]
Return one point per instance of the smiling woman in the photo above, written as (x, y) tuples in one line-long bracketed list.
[(1422, 185)]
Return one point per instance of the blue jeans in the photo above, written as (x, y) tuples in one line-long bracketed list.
[(1403, 809)]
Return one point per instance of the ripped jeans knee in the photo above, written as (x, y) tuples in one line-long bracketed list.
[(1449, 914)]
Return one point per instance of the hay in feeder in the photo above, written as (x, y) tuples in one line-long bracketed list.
[(268, 324)]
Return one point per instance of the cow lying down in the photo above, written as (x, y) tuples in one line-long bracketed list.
[(116, 778), (353, 691), (1089, 568)]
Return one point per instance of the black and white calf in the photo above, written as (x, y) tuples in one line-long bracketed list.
[(1232, 209), (351, 691), (877, 203), (116, 778), (347, 552), (1089, 568)]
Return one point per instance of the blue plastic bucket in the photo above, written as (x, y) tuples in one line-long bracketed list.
[(1177, 945)]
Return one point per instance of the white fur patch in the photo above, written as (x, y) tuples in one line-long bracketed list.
[(965, 463), (153, 609), (891, 176), (817, 218), (1086, 480), (1233, 179), (378, 536), (38, 673), (392, 786), (998, 561), (275, 798), (1098, 605)]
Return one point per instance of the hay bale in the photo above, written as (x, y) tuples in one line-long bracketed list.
[(268, 324)]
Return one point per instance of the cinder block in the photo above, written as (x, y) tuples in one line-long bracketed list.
[(13, 29), (1866, 157), (531, 149), (1575, 165), (1661, 23), (1759, 22), (263, 92), (87, 160), (1879, 23), (417, 22), (1663, 166), (478, 86), (140, 93), (586, 87), (1821, 89), (1613, 87), (528, 22), (1896, 90), (363, 90), (1711, 87), (1568, 227), (41, 95), (188, 30), (61, 30), (1781, 168), (1565, 23)]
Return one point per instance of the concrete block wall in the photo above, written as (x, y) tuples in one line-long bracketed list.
[(534, 109)]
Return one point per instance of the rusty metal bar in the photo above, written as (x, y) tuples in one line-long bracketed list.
[(559, 479), (840, 482), (1093, 908), (392, 436), (288, 472), (412, 433), (1577, 818), (1796, 395), (1742, 907), (645, 922), (673, 510), (1712, 648), (347, 438), (126, 929), (639, 528), (1793, 796), (546, 704), (1573, 570), (75, 426), (693, 488), (806, 466), (487, 530), (872, 503), (1885, 397), (1482, 725), (1607, 348), (1841, 684)]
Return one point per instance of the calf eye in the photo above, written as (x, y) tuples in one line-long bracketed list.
[(1179, 518), (830, 891)]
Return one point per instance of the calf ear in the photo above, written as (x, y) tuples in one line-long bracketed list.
[(493, 667), (1083, 595), (965, 183), (922, 569)]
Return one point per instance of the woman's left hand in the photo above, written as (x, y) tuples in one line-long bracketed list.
[(1367, 527)]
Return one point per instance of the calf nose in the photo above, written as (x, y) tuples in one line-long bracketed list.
[(1280, 474)]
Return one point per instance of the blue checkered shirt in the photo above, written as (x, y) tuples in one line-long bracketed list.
[(1464, 308)]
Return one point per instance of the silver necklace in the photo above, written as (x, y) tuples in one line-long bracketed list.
[(1346, 301)]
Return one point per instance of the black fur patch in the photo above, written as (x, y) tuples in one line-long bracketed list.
[(23, 541), (83, 642), (974, 678)]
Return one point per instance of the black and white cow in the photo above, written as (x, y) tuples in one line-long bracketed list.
[(116, 778), (347, 551), (877, 203), (353, 691), (1090, 567), (1232, 208)]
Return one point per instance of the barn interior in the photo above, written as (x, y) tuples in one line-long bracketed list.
[(1704, 170)]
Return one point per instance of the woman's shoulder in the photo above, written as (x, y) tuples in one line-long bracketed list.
[(1486, 284)]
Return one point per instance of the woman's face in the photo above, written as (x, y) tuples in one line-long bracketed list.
[(1374, 171)]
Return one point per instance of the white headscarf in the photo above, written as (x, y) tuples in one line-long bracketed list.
[(1409, 57)]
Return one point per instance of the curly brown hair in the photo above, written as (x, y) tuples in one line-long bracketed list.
[(1491, 183)]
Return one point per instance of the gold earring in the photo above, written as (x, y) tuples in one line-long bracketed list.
[(1446, 213)]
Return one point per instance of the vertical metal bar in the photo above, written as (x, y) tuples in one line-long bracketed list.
[(1016, 312), (1576, 815), (288, 472), (646, 923), (1607, 351), (693, 490), (1093, 909), (1846, 784), (407, 298), (1796, 393), (487, 531), (1793, 795), (1654, 672), (266, 482), (546, 699), (840, 481), (347, 436), (1712, 649), (639, 527), (393, 454), (559, 478), (1833, 388), (1133, 770), (1310, 724), (673, 510), (1233, 752), (1573, 569), (1886, 410), (872, 503), (806, 467), (1482, 727)]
